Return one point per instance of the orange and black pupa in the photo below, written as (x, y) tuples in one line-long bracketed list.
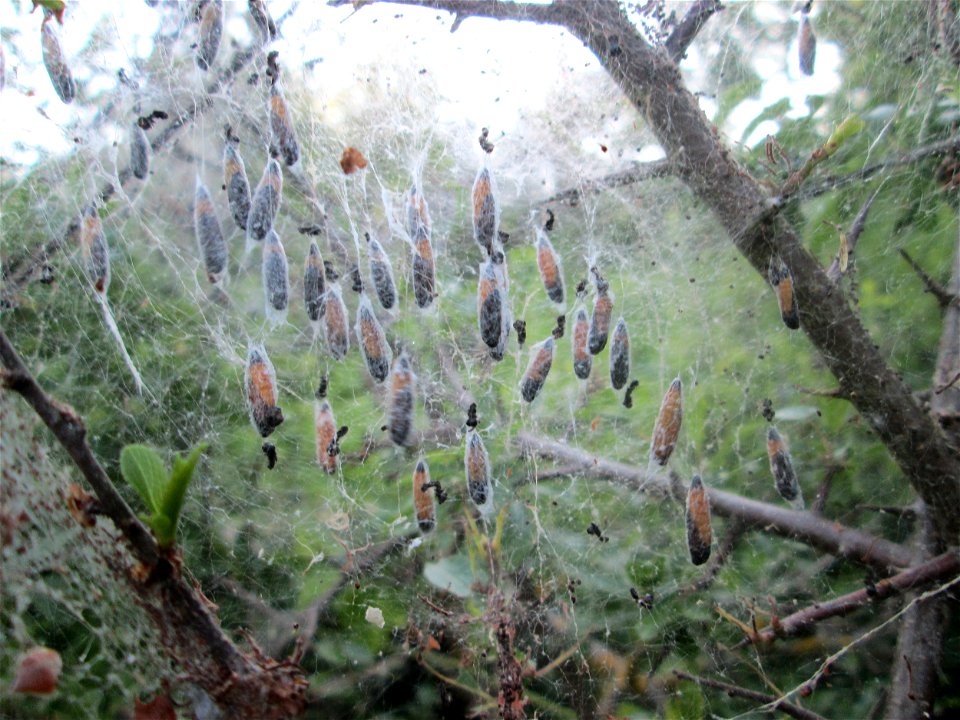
[(582, 359), (784, 476), (236, 182), (325, 430), (424, 271), (620, 355), (139, 152), (381, 273), (313, 283), (276, 279), (56, 63), (372, 341), (422, 497), (213, 248), (493, 312), (266, 28), (417, 219), (699, 532), (210, 34), (265, 204), (667, 428), (283, 137), (94, 250), (260, 384), (476, 464), (541, 359), (335, 325), (403, 394), (602, 313), (486, 211), (807, 44), (551, 272), (782, 280)]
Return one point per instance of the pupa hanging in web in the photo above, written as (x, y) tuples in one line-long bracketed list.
[(781, 466), (782, 280), (582, 359), (417, 226), (55, 61), (493, 310), (372, 340), (96, 265), (602, 313), (667, 428), (807, 41), (699, 532), (276, 280), (325, 431), (486, 208), (620, 355), (313, 285), (541, 359), (422, 499), (213, 248), (262, 20), (210, 32), (476, 465), (283, 139), (260, 386), (235, 181), (139, 150), (335, 327), (403, 394), (381, 273), (551, 271), (265, 204)]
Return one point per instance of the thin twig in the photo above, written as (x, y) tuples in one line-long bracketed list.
[(943, 297), (737, 691), (635, 174), (947, 385), (834, 272)]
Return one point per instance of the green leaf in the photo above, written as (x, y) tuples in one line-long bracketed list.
[(142, 467), (173, 495), (844, 131), (452, 574)]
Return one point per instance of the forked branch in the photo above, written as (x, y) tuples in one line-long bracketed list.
[(788, 708)]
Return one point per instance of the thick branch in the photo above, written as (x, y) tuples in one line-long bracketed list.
[(942, 567), (191, 635), (689, 27), (822, 534), (737, 691)]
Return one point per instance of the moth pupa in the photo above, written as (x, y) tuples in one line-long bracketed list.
[(476, 465), (265, 203), (325, 429), (551, 272), (210, 34), (213, 248), (260, 384), (335, 322), (602, 313), (313, 283), (492, 311), (403, 389), (781, 465), (56, 63), (276, 279), (238, 187), (381, 273), (782, 280), (417, 221), (283, 136), (582, 359), (667, 427), (541, 358), (422, 498), (266, 28), (373, 341), (620, 355), (807, 45), (139, 152), (486, 210), (699, 532), (424, 271), (94, 250)]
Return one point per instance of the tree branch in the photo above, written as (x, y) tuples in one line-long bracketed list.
[(638, 173), (942, 567), (737, 691), (240, 684), (550, 13), (689, 27), (822, 534), (856, 229), (943, 297)]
